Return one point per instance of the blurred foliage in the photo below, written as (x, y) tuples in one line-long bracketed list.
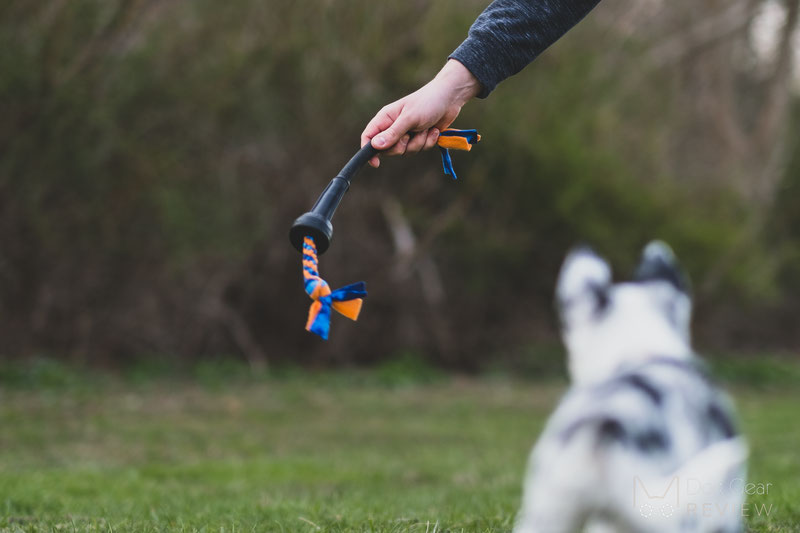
[(153, 155)]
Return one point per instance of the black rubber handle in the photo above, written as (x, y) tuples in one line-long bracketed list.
[(317, 222)]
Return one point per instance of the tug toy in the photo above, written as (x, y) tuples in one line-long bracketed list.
[(312, 232), (456, 140)]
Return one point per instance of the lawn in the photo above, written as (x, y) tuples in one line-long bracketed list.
[(343, 452)]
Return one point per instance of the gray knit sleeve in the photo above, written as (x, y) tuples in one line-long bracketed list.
[(509, 34)]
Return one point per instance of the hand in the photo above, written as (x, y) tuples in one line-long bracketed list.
[(413, 123)]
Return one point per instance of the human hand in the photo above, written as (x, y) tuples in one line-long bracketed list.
[(413, 123)]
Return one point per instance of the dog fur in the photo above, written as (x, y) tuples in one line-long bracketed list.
[(642, 441)]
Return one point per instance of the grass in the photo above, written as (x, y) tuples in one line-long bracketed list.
[(308, 453)]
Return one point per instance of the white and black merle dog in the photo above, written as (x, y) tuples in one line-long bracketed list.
[(642, 441)]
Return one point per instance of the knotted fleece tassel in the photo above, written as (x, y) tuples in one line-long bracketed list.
[(346, 300), (456, 140)]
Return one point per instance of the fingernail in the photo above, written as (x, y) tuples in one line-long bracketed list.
[(380, 141)]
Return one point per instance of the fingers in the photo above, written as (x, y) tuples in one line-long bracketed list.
[(400, 128), (380, 122), (388, 138), (430, 141), (383, 133), (387, 127), (423, 140), (417, 142), (400, 146)]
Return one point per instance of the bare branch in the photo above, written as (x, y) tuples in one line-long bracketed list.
[(777, 94), (702, 34)]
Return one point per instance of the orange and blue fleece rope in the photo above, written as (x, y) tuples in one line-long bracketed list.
[(346, 300), (349, 299)]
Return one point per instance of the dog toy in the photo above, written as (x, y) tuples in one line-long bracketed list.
[(312, 232), (456, 140), (346, 300)]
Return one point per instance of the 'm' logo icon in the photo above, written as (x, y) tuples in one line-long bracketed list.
[(662, 500)]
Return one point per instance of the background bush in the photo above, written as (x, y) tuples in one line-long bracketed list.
[(154, 154)]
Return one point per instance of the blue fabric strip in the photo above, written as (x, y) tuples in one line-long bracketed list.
[(447, 163)]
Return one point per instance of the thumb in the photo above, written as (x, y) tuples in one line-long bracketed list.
[(390, 136)]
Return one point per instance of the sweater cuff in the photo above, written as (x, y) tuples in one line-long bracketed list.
[(468, 54)]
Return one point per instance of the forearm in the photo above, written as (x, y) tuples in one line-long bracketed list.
[(510, 34)]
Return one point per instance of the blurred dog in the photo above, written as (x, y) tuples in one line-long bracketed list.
[(642, 441)]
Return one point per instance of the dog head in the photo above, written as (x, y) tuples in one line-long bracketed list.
[(606, 325)]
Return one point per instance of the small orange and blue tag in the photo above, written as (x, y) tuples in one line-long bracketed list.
[(452, 139)]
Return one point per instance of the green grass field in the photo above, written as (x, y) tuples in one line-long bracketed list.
[(311, 453)]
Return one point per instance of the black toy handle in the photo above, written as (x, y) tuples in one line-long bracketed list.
[(317, 222)]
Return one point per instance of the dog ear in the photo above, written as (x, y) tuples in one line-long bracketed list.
[(658, 263), (583, 285)]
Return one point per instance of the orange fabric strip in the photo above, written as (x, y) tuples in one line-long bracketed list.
[(313, 311), (454, 143), (350, 308)]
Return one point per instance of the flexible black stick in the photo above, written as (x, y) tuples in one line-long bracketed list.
[(317, 222)]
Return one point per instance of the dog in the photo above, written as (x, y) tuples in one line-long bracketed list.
[(643, 441)]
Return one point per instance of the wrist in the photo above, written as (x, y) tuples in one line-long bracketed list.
[(460, 83)]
